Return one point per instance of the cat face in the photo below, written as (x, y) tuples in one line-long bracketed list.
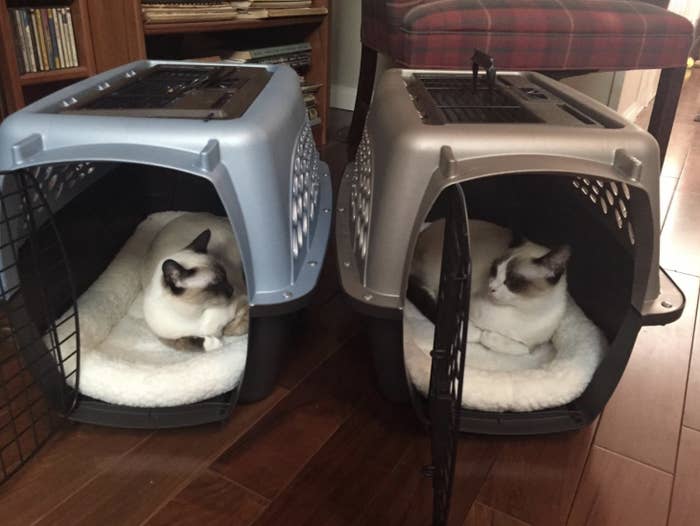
[(517, 278), (194, 276)]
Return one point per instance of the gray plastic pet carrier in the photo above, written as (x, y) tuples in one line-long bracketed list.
[(523, 150), (84, 166)]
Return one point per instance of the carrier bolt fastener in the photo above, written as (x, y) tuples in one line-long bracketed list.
[(367, 297), (667, 304), (287, 295)]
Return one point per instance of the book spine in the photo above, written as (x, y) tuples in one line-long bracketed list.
[(43, 28), (66, 31), (40, 42), (47, 34), (71, 36), (63, 25), (59, 44), (20, 46), (30, 44), (52, 39)]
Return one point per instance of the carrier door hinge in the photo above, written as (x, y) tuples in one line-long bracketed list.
[(27, 148), (627, 164)]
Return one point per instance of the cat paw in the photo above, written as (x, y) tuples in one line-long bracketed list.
[(212, 343), (503, 344), (238, 326)]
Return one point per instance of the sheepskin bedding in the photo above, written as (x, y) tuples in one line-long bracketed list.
[(553, 374), (122, 361)]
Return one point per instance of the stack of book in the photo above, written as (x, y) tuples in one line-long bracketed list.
[(298, 56), (44, 38), (257, 9), (165, 11), (310, 91)]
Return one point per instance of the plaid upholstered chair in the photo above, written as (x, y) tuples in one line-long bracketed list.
[(557, 37)]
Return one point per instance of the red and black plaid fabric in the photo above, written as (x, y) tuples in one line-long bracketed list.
[(528, 34)]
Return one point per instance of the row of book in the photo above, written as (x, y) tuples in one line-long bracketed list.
[(258, 9), (298, 56), (44, 38), (164, 11)]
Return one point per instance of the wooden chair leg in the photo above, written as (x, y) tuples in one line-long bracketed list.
[(665, 104), (365, 85)]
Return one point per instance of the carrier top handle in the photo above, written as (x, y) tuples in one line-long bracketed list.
[(481, 59)]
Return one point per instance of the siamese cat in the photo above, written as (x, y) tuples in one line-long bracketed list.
[(519, 288), (192, 278)]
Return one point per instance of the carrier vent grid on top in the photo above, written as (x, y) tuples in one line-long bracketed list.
[(457, 101)]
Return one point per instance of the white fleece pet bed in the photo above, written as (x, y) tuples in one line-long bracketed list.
[(122, 361), (553, 374)]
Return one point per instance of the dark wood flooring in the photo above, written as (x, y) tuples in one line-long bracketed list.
[(325, 449)]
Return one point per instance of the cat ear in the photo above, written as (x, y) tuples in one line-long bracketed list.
[(173, 274), (555, 261), (200, 243)]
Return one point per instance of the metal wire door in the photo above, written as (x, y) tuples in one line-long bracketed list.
[(448, 356), (39, 337)]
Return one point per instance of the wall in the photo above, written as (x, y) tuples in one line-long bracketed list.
[(638, 88), (345, 52)]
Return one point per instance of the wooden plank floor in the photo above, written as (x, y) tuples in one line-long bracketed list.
[(325, 449)]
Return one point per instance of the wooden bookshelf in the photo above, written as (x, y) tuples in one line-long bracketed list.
[(13, 82), (56, 75), (112, 32)]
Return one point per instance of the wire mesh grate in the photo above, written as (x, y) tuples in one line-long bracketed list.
[(35, 285), (448, 356), (178, 91)]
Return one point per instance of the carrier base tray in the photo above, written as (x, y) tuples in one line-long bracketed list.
[(91, 411)]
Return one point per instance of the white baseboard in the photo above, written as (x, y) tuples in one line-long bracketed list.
[(343, 97)]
